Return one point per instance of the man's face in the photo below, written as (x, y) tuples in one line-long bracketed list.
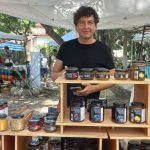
[(86, 27)]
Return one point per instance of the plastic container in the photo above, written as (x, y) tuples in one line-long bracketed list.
[(71, 73), (102, 74), (87, 73)]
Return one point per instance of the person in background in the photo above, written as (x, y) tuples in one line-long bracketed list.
[(84, 52), (8, 62)]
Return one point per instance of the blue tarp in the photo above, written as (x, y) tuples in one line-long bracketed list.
[(69, 36), (12, 46)]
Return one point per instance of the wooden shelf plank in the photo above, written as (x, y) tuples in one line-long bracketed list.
[(111, 80), (106, 123), (85, 132), (127, 133)]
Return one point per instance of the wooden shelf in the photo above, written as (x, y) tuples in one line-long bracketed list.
[(127, 133), (95, 81), (106, 123)]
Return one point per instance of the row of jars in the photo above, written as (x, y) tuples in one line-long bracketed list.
[(138, 145), (135, 73), (137, 111), (36, 123)]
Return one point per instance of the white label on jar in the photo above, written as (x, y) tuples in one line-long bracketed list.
[(82, 116), (136, 74), (120, 115), (44, 146), (143, 117), (2, 111), (6, 111)]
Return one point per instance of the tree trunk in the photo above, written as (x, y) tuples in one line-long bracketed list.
[(53, 34)]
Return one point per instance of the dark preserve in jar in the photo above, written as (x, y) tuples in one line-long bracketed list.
[(102, 73), (121, 74), (134, 145), (96, 111), (119, 112), (71, 73), (34, 125), (137, 112), (77, 110), (86, 73), (145, 144)]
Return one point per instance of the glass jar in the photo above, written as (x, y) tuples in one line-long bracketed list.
[(134, 145), (34, 125), (121, 74), (102, 74), (17, 122), (96, 111), (71, 73), (2, 107), (145, 144), (137, 71), (137, 112), (86, 73), (49, 126), (34, 145), (3, 122), (119, 112), (55, 144), (77, 110), (43, 142)]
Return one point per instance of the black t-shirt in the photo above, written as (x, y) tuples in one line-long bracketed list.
[(74, 54)]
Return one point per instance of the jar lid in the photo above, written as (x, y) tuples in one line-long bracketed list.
[(77, 102), (134, 142), (17, 116), (72, 69), (3, 116), (54, 141), (49, 117), (137, 104), (146, 142), (43, 138), (33, 121), (34, 143), (100, 69), (119, 104), (37, 116), (86, 69), (121, 70), (49, 122)]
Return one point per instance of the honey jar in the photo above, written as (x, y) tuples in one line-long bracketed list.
[(121, 74), (17, 122), (102, 74), (137, 112), (86, 73), (3, 122), (71, 73)]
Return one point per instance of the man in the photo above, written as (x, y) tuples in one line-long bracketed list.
[(85, 51), (8, 57)]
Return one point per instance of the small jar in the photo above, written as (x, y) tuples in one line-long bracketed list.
[(119, 112), (34, 145), (96, 111), (3, 122), (34, 125), (137, 71), (121, 74), (134, 145), (49, 126), (77, 110), (55, 144), (43, 142), (87, 73), (2, 107), (145, 144), (102, 74), (17, 122), (137, 112), (71, 73)]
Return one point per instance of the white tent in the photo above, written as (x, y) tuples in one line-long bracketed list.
[(4, 35), (113, 13)]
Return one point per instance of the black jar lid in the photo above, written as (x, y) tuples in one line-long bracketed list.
[(77, 102), (100, 69), (119, 104), (121, 70), (3, 116), (43, 138), (54, 141), (86, 69), (34, 121), (137, 104), (49, 117), (145, 142), (134, 142), (34, 143), (17, 116), (71, 69)]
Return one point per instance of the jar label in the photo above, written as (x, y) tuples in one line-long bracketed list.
[(44, 146), (120, 115), (97, 114)]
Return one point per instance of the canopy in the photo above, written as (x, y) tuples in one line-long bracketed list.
[(12, 46), (4, 35), (112, 13)]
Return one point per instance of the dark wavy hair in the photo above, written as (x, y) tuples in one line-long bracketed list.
[(85, 11)]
